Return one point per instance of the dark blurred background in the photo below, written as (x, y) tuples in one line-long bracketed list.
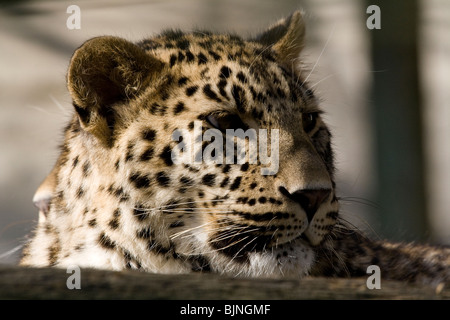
[(386, 93)]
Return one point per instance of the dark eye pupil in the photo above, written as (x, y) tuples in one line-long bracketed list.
[(309, 121)]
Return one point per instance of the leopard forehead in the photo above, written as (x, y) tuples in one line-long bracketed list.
[(208, 62)]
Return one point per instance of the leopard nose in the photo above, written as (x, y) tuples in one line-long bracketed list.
[(309, 199)]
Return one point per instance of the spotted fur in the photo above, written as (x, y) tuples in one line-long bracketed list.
[(117, 200)]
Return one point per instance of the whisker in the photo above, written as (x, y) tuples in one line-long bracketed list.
[(40, 110), (232, 235), (320, 55), (174, 205), (237, 253), (323, 79), (225, 228), (190, 229), (10, 252), (360, 201), (60, 107)]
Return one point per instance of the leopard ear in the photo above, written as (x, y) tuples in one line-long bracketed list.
[(103, 72), (286, 37)]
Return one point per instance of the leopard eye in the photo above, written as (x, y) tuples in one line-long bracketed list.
[(223, 121), (309, 121)]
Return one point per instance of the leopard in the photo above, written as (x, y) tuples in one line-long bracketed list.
[(119, 197)]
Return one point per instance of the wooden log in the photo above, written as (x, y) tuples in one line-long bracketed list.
[(51, 283)]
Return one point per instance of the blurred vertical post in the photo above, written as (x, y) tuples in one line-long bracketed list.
[(396, 108)]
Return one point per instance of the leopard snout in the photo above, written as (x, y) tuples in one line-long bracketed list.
[(309, 199)]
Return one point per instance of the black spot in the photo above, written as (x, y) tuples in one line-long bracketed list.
[(201, 194), (86, 167), (147, 154), (202, 59), (214, 55), (225, 72), (221, 85), (144, 233), (253, 185), (242, 200), (92, 223), (182, 190), (80, 192), (114, 223), (182, 81), (226, 168), (191, 125), (166, 155), (209, 179), (181, 56), (191, 90), (117, 165), (244, 167), (262, 200), (149, 134), (156, 247), (239, 97), (186, 181), (241, 77), (53, 252), (129, 154), (140, 181), (225, 182), (210, 94), (176, 224), (162, 179), (183, 44), (106, 242), (267, 216), (189, 56), (179, 108), (207, 44), (157, 109), (236, 183), (251, 202), (119, 193), (75, 162), (173, 59)]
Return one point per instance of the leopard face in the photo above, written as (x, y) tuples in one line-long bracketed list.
[(123, 199)]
